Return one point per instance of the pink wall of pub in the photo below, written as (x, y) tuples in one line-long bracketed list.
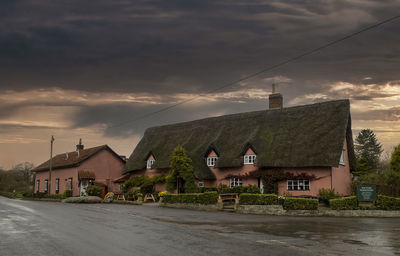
[(337, 178)]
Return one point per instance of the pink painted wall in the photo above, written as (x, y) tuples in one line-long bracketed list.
[(63, 175), (337, 178), (323, 180), (107, 168), (341, 175), (105, 165)]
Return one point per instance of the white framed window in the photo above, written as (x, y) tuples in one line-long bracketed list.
[(249, 159), (46, 185), (211, 160), (298, 185), (342, 160), (150, 163), (234, 182), (57, 186), (201, 183), (37, 185), (70, 184)]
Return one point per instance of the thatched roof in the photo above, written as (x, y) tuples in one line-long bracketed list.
[(302, 136), (72, 159)]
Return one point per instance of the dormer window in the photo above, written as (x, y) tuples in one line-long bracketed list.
[(150, 163), (249, 159), (211, 160), (342, 160)]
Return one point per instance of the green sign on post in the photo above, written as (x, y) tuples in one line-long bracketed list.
[(366, 193)]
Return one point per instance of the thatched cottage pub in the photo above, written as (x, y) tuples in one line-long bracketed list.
[(293, 151), (78, 169)]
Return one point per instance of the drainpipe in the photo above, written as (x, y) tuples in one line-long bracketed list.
[(331, 179)]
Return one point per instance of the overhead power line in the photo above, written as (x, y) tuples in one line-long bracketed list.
[(282, 63)]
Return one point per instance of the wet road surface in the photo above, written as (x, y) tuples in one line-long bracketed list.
[(48, 228)]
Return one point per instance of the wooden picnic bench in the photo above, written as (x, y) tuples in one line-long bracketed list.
[(120, 196)]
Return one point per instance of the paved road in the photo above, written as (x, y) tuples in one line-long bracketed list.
[(47, 228)]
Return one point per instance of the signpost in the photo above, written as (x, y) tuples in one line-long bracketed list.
[(366, 193)]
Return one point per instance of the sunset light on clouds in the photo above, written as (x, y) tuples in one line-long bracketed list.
[(74, 73)]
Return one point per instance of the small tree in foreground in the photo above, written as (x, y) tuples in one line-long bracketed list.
[(368, 151), (395, 160), (181, 167)]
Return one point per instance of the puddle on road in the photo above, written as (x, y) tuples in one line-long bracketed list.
[(360, 233)]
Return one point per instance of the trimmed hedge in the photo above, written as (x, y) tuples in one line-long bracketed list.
[(387, 203), (344, 203), (191, 198), (295, 203), (258, 199), (239, 189)]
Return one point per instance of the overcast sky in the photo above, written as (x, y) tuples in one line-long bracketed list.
[(84, 69)]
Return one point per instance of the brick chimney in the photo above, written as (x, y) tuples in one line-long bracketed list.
[(275, 99), (79, 146)]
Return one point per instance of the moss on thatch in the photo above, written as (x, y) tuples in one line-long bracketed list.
[(303, 136)]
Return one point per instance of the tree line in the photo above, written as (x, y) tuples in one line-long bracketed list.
[(372, 168), (18, 179)]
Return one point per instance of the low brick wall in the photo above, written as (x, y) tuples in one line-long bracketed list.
[(201, 207), (260, 209), (360, 213), (278, 210)]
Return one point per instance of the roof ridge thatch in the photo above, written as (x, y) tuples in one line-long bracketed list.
[(299, 136), (248, 112)]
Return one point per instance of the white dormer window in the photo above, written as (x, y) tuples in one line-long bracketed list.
[(211, 160), (342, 160), (249, 159), (150, 163)]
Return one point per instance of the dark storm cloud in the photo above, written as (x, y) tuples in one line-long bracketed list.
[(122, 119), (178, 46)]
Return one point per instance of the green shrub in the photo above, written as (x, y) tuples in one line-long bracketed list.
[(296, 203), (328, 194), (239, 189), (55, 196), (67, 193), (191, 198), (344, 203), (207, 189), (140, 181), (7, 194), (94, 190), (387, 203), (258, 199), (147, 188)]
